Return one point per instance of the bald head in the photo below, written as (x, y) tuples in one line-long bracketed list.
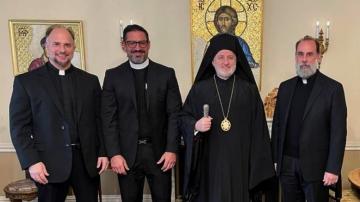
[(60, 46)]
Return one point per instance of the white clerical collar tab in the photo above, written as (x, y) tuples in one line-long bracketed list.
[(62, 72), (304, 81), (139, 66)]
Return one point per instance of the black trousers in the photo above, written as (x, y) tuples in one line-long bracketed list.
[(85, 188), (295, 188), (132, 184)]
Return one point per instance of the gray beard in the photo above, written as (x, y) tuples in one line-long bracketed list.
[(306, 73)]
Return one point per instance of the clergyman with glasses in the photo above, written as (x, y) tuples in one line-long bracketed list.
[(140, 107)]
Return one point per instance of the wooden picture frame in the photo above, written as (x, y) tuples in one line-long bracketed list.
[(25, 37), (243, 18)]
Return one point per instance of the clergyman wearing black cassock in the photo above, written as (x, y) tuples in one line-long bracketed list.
[(309, 129), (140, 106), (226, 165), (55, 124)]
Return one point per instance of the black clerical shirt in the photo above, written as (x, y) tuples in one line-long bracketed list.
[(295, 120), (65, 88), (140, 76)]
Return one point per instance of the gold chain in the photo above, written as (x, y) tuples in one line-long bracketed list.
[(232, 92)]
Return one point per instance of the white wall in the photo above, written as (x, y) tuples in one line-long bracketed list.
[(287, 21), (166, 21), (168, 24)]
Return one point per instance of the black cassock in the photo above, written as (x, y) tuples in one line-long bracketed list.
[(224, 166)]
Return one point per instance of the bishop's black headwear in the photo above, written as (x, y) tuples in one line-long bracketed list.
[(220, 42)]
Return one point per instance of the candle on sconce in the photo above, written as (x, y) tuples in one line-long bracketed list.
[(317, 29), (121, 29), (327, 29)]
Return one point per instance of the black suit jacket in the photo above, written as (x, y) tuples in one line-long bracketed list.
[(323, 131), (119, 110), (39, 129)]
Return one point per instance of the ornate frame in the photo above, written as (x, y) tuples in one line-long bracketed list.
[(249, 27), (25, 36)]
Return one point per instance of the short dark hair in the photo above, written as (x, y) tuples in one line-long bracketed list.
[(309, 38), (135, 27), (55, 26)]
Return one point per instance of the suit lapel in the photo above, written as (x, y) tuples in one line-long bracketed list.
[(318, 85), (50, 88)]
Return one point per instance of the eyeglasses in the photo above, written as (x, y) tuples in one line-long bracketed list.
[(132, 44)]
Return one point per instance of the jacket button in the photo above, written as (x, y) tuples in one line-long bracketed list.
[(62, 127)]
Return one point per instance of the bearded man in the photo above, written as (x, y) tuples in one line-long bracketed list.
[(140, 106), (309, 128), (55, 123), (227, 146)]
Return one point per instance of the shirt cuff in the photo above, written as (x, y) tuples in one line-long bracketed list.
[(195, 132)]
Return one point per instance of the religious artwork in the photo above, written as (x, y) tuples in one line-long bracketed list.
[(242, 18), (27, 43), (270, 103)]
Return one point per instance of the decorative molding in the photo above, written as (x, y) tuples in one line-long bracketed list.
[(6, 147), (350, 145)]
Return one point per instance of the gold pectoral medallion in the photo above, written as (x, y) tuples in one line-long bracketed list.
[(225, 125)]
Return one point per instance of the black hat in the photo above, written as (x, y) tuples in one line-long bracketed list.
[(220, 42)]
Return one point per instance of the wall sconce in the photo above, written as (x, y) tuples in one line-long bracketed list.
[(319, 36), (122, 25), (121, 30)]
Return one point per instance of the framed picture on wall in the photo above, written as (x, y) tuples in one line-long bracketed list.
[(243, 18), (27, 43)]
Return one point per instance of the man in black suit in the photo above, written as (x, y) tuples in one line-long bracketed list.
[(55, 123), (140, 105), (309, 129)]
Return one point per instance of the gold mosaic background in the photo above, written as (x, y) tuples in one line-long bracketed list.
[(249, 28)]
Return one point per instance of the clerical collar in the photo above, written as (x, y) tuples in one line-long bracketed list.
[(139, 66), (310, 79), (61, 72)]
